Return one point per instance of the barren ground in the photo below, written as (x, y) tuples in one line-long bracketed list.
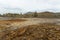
[(21, 22), (6, 26)]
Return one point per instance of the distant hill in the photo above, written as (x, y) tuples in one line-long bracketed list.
[(33, 15), (42, 15)]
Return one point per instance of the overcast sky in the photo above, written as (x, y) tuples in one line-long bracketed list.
[(17, 6)]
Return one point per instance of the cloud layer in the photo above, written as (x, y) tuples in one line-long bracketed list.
[(18, 6)]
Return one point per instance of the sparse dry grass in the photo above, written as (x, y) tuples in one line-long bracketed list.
[(44, 31), (11, 21)]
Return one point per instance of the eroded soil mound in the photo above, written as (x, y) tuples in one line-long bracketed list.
[(33, 32)]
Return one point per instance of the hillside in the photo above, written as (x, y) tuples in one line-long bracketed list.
[(42, 15), (33, 15)]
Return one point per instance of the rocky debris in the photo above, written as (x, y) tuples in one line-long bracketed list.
[(33, 32)]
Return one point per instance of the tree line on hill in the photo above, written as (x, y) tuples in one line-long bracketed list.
[(33, 15)]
